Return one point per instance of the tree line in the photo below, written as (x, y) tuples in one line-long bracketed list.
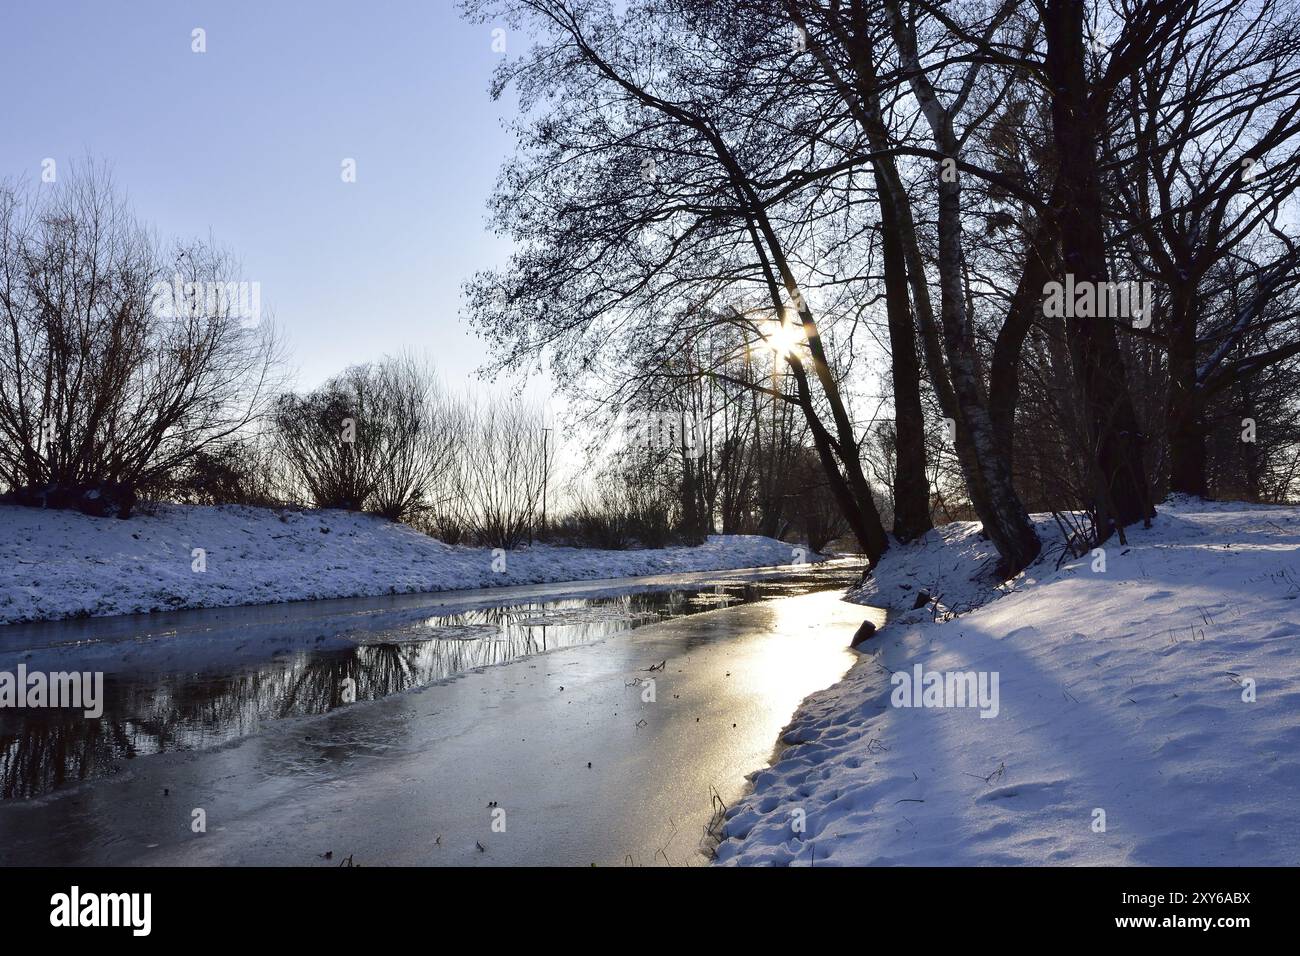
[(132, 368), (926, 177)]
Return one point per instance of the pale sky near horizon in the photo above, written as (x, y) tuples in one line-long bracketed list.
[(246, 142)]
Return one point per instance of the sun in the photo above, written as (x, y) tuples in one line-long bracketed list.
[(783, 338)]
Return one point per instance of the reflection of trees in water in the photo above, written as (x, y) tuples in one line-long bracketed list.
[(49, 748), (44, 749)]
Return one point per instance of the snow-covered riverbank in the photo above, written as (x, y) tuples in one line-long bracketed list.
[(1147, 713), (57, 564)]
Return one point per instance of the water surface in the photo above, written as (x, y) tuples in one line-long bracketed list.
[(191, 680)]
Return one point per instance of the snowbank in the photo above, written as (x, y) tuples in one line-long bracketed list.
[(57, 564), (1124, 728), (955, 566)]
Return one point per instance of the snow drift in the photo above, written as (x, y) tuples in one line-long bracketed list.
[(1149, 712), (59, 564)]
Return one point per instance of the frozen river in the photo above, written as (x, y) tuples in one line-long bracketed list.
[(600, 722)]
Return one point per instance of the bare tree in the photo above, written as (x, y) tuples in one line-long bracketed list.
[(645, 198), (501, 473), (1201, 169), (422, 433), (119, 363), (377, 437)]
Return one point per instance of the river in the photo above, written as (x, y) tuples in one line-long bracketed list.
[(587, 723)]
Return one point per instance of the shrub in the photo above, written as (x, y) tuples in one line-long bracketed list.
[(109, 382)]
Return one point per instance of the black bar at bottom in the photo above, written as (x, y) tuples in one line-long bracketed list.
[(329, 905)]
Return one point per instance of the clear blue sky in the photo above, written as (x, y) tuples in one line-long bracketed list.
[(246, 140)]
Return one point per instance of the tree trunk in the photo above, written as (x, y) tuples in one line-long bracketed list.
[(1005, 521), (986, 469), (1123, 495), (911, 486), (859, 507), (1004, 372), (863, 520), (1184, 411)]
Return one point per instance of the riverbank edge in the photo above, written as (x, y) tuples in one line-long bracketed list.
[(64, 565)]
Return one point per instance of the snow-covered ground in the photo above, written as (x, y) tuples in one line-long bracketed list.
[(58, 564), (1147, 713), (953, 566)]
